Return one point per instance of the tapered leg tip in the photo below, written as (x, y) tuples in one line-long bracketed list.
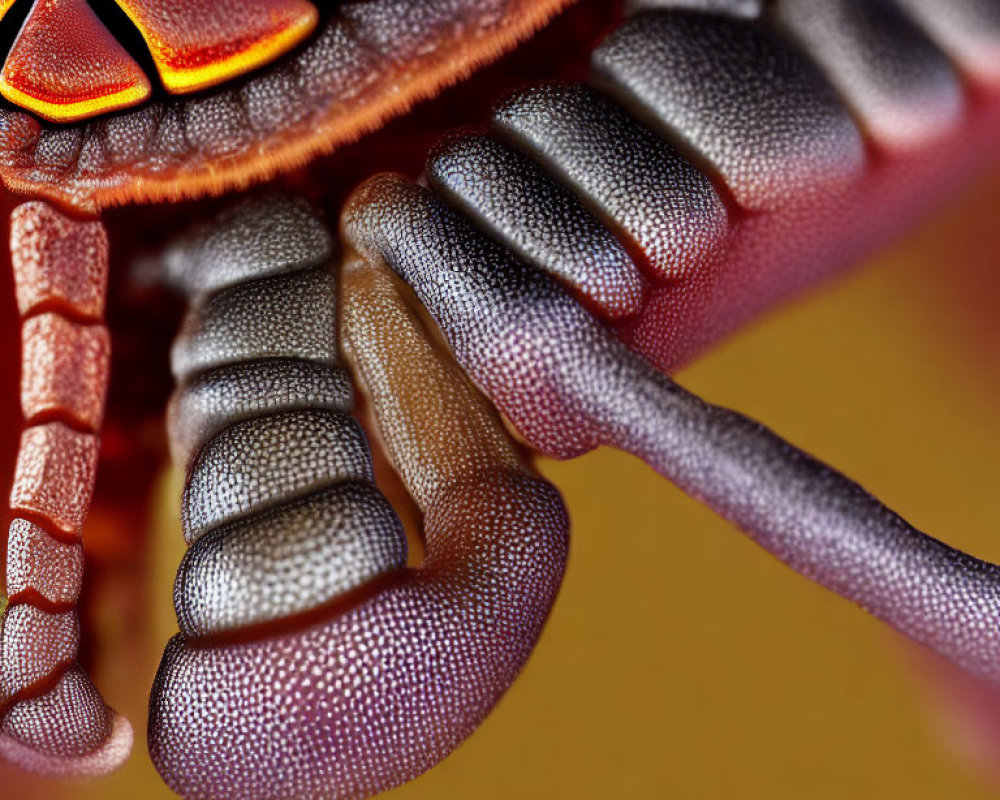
[(108, 757)]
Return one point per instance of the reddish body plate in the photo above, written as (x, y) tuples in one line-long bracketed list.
[(66, 66), (201, 43)]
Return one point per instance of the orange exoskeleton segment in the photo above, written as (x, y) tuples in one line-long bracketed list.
[(201, 43), (66, 66)]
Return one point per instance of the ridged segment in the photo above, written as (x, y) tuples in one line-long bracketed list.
[(34, 645), (279, 507), (642, 186), (58, 261), (262, 237), (219, 397), (752, 108), (38, 564), (289, 560), (258, 462), (902, 88), (251, 321), (64, 369), (55, 475), (554, 231), (53, 718)]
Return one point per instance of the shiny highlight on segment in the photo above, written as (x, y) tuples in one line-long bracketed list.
[(66, 66), (196, 44)]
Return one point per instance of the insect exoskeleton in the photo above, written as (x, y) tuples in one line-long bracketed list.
[(552, 266)]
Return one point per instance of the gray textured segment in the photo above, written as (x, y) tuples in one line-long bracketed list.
[(568, 385), (215, 399), (362, 700), (968, 30), (747, 9), (901, 86), (756, 111), (638, 182), (257, 238), (267, 460), (538, 219), (35, 645), (290, 316), (810, 516), (67, 721), (504, 321), (289, 560)]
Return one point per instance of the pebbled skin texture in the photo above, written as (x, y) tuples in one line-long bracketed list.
[(555, 230), (243, 323), (64, 369), (776, 131), (196, 44), (251, 465), (288, 561), (228, 394), (58, 261), (38, 563), (903, 89), (264, 236), (666, 208), (344, 682), (66, 66), (245, 673)]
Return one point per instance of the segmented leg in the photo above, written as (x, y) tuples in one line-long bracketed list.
[(54, 721), (312, 663)]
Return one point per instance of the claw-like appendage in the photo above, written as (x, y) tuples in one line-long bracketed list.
[(312, 662)]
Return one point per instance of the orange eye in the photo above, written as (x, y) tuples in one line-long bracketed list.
[(65, 65), (200, 43)]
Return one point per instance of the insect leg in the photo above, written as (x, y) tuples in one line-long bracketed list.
[(54, 720), (569, 385)]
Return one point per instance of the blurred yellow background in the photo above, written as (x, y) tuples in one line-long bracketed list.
[(681, 661)]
